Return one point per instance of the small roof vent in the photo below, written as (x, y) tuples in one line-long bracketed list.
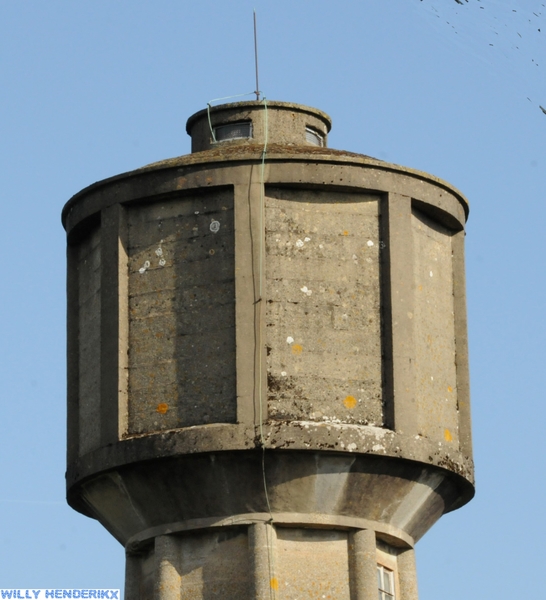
[(314, 137), (233, 131)]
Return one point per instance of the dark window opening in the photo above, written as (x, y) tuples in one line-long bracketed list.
[(233, 131)]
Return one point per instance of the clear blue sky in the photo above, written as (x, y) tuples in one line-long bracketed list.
[(92, 89)]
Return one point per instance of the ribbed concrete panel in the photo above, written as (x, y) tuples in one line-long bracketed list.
[(89, 276), (181, 313), (435, 369), (323, 306)]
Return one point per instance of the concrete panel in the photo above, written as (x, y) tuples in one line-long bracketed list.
[(89, 278), (435, 370), (312, 564), (323, 306), (215, 565), (181, 313)]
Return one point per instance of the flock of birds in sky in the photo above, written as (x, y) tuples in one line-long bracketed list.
[(513, 29)]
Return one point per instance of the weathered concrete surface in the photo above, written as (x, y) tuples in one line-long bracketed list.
[(435, 366), (182, 314), (323, 313), (89, 312), (273, 353)]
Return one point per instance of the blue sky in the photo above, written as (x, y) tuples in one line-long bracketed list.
[(92, 89)]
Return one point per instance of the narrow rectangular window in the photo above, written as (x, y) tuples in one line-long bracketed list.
[(233, 131), (314, 137), (385, 583)]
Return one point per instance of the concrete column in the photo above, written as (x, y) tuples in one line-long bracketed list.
[(248, 306), (262, 545), (363, 561), (167, 580), (407, 575), (114, 323), (73, 354), (461, 344), (398, 301), (132, 577)]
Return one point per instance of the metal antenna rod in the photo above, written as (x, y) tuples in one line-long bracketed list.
[(257, 92)]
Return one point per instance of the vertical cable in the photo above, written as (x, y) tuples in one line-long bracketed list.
[(209, 106), (260, 299)]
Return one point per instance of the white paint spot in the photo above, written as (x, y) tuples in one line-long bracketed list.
[(283, 373), (306, 291), (378, 447), (430, 273), (289, 340), (159, 251), (351, 447), (299, 244), (307, 239), (162, 262), (215, 226), (145, 267), (369, 243), (196, 212), (431, 378), (321, 246)]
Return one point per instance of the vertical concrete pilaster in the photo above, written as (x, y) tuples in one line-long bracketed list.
[(167, 580), (262, 545), (398, 301), (132, 577), (249, 305), (363, 561), (114, 323), (461, 344), (407, 575), (73, 354)]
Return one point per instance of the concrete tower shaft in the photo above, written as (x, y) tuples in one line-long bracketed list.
[(267, 363)]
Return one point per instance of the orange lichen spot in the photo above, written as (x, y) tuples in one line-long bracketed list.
[(449, 389), (350, 402), (274, 583), (162, 408), (159, 334), (447, 435), (345, 232), (296, 349)]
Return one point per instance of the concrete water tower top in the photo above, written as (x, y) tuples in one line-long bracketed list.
[(267, 363)]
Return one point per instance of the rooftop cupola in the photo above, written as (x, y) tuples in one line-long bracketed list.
[(245, 123)]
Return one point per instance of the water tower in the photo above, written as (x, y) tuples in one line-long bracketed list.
[(267, 363)]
